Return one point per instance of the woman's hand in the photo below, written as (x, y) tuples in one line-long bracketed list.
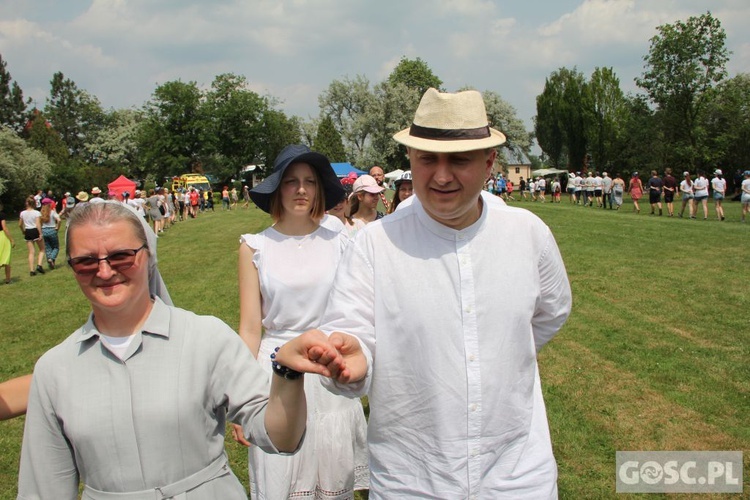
[(239, 435)]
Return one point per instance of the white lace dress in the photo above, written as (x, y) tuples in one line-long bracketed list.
[(296, 274)]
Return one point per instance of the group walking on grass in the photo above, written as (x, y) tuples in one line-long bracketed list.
[(593, 189), (134, 403)]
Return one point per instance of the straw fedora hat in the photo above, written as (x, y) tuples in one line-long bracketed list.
[(450, 123), (82, 196)]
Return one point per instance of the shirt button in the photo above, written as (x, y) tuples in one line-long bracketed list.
[(473, 407), (471, 357)]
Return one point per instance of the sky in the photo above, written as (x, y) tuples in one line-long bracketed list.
[(121, 50)]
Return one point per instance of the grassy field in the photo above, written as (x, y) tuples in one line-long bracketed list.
[(655, 355)]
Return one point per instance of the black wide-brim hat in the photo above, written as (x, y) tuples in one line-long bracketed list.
[(298, 153)]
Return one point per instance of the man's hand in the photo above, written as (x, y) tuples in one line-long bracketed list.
[(311, 352), (355, 363)]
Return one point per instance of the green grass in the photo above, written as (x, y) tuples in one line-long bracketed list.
[(655, 355)]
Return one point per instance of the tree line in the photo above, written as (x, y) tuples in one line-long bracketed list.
[(690, 116)]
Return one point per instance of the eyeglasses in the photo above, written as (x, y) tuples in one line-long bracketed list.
[(118, 261)]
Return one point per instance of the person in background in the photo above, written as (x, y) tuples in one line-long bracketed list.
[(635, 188), (745, 195), (556, 190), (655, 186), (522, 189), (225, 205), (137, 203), (68, 202), (153, 202), (688, 194), (618, 189), (403, 190), (719, 185), (285, 277), (606, 190), (386, 194), (95, 195), (245, 196), (50, 227), (598, 190), (589, 189), (700, 188), (134, 403), (578, 188), (6, 244), (364, 199), (31, 224), (233, 196), (670, 188)]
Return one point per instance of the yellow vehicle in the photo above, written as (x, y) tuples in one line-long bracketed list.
[(186, 181)]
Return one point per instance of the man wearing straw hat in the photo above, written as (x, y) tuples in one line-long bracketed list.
[(456, 408)]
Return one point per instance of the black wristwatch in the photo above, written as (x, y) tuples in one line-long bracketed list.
[(283, 371)]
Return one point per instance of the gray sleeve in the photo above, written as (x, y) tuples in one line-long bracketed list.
[(48, 466), (240, 385)]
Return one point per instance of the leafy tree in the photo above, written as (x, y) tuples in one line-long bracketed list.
[(12, 106), (640, 147), (685, 60), (74, 113), (608, 113), (115, 145), (415, 74), (66, 173), (280, 131), (328, 141), (502, 116), (726, 120), (392, 110), (175, 137), (348, 104), (236, 115), (23, 169), (308, 130), (564, 117)]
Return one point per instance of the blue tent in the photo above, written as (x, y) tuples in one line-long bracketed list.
[(343, 169)]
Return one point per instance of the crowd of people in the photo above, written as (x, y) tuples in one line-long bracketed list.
[(602, 191), (355, 289)]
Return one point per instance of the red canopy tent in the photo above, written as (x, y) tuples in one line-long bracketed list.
[(120, 185)]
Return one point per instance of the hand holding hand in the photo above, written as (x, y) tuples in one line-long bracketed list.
[(311, 352), (355, 363)]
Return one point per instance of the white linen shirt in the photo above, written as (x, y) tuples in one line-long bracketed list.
[(456, 408), (151, 419)]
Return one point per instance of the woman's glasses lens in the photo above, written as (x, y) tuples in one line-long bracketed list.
[(118, 261)]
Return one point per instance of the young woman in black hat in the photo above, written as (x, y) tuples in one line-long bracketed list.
[(285, 275)]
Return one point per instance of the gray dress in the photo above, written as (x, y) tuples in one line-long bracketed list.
[(149, 421)]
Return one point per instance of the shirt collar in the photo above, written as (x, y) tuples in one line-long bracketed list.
[(157, 322), (446, 232)]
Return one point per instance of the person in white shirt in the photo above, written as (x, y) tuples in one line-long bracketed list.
[(745, 194), (700, 188), (577, 187), (719, 185), (541, 187), (456, 407), (687, 194), (598, 183), (606, 190)]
